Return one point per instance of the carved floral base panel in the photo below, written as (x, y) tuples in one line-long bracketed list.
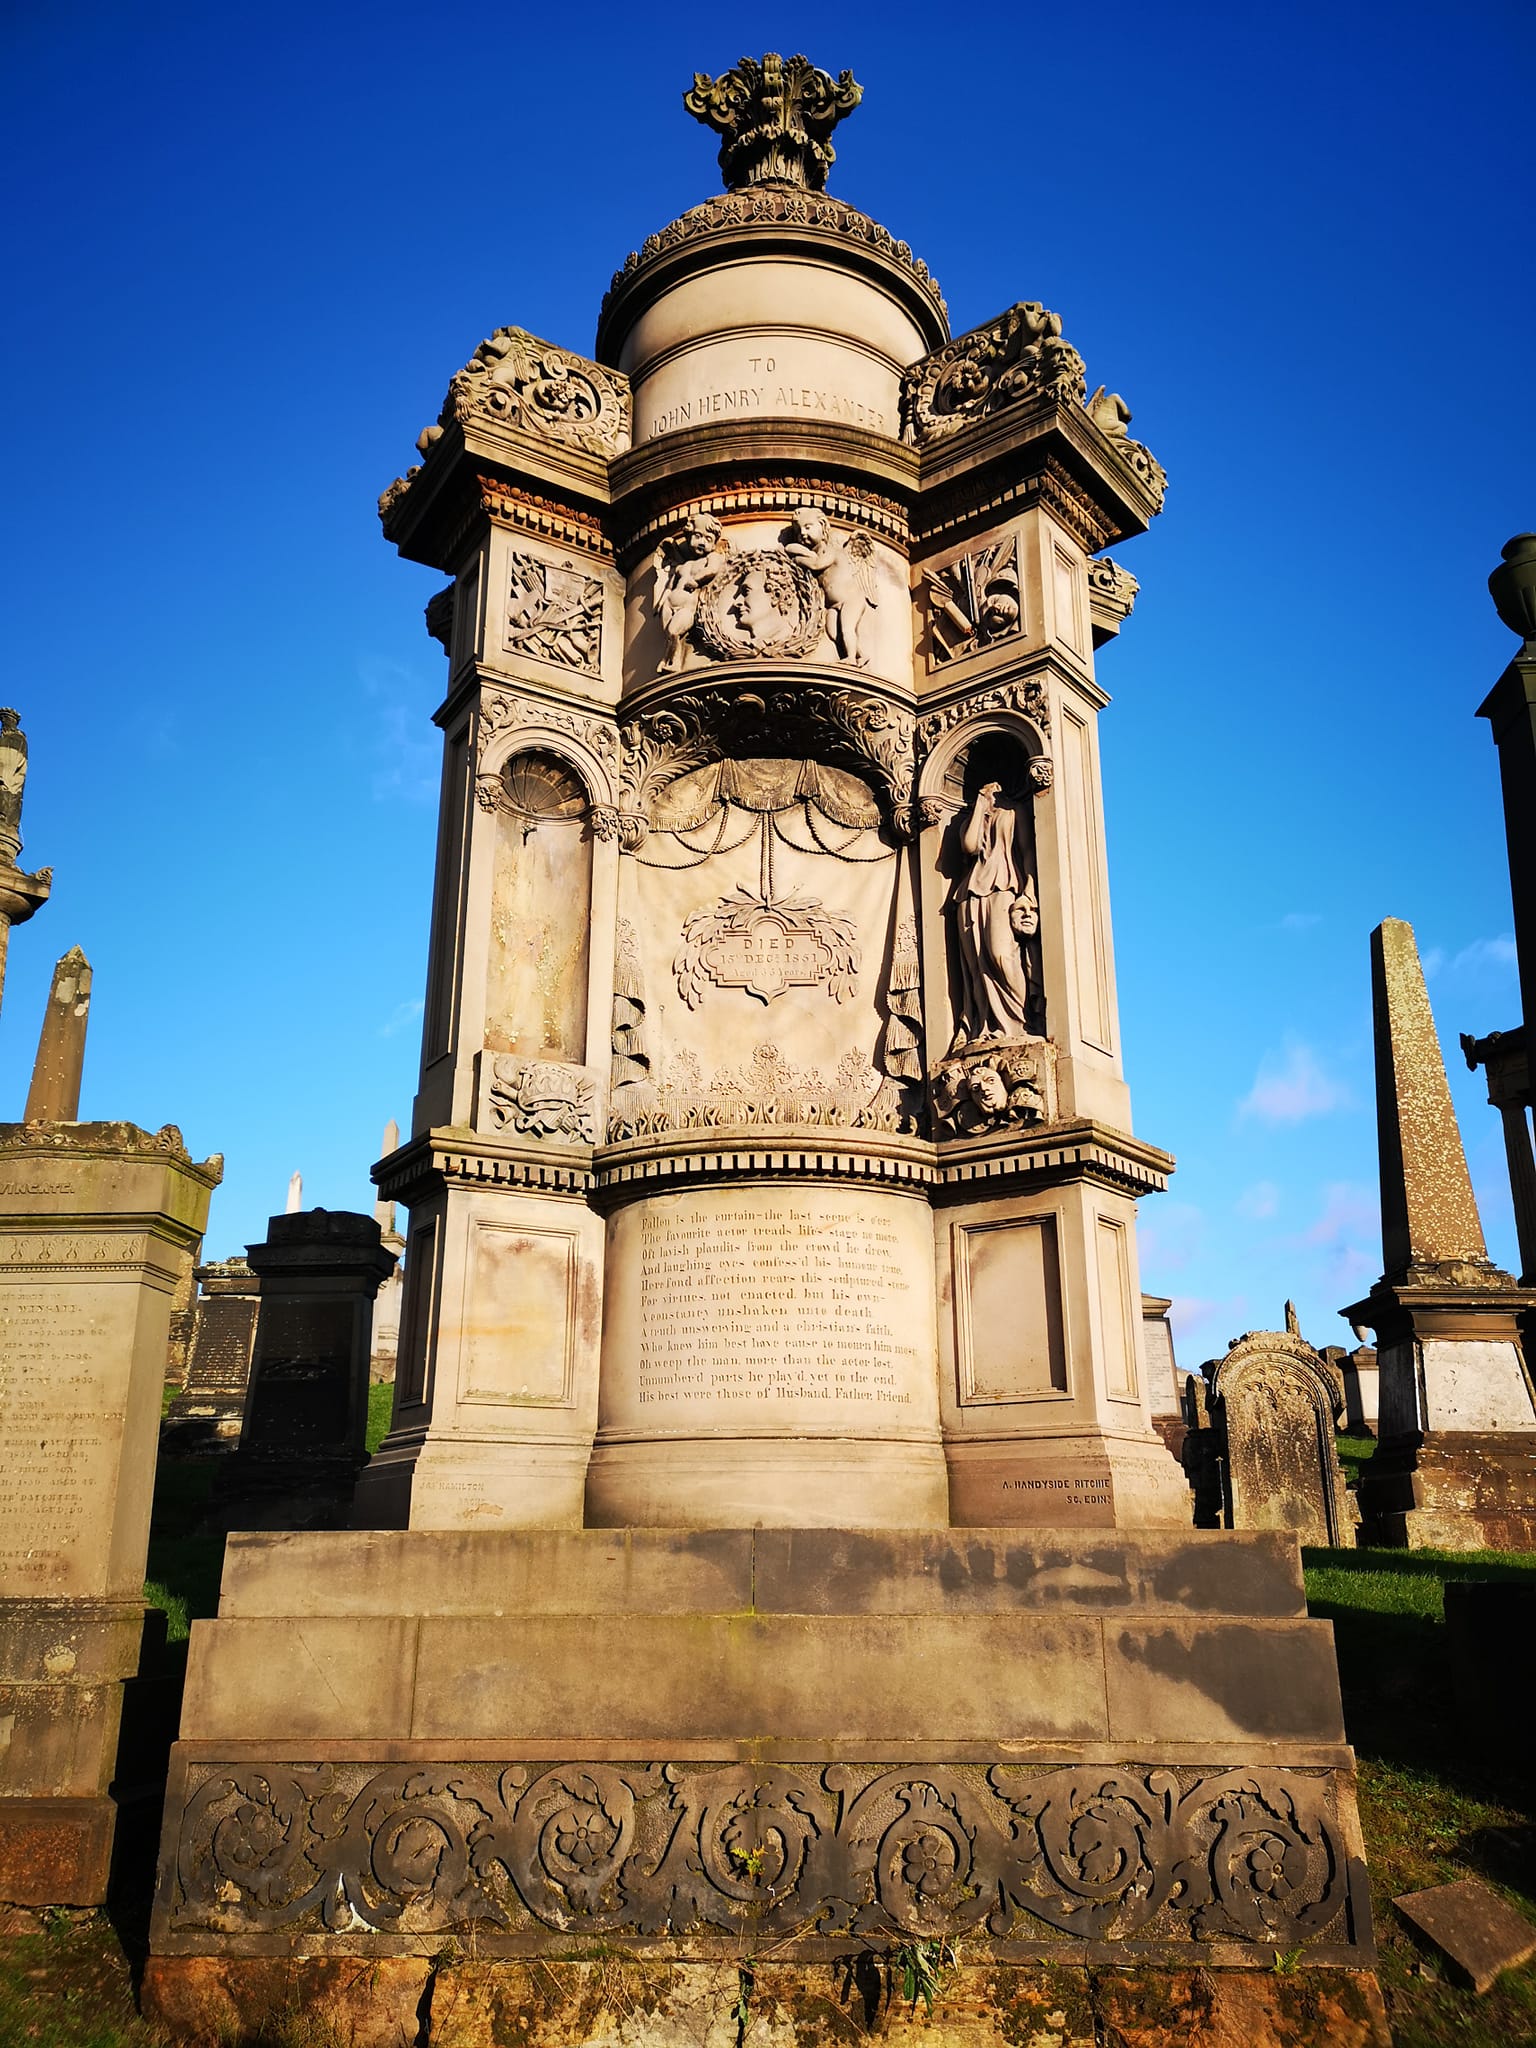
[(1081, 1862)]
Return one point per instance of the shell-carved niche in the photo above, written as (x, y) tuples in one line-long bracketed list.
[(541, 894), (1000, 1068)]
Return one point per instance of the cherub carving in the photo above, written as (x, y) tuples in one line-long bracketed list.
[(845, 569), (687, 562), (1109, 413)]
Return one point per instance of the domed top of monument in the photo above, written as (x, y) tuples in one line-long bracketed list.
[(774, 116)]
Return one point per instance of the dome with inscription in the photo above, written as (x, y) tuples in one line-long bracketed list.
[(772, 298)]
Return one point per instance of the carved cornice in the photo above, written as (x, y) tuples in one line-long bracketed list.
[(563, 525), (769, 211), (1061, 1152), (465, 1158), (669, 1160), (515, 380), (984, 496), (738, 495)]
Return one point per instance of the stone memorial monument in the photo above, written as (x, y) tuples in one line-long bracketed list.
[(21, 895), (1456, 1462), (96, 1222), (772, 1550)]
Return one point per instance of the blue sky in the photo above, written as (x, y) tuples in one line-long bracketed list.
[(246, 249)]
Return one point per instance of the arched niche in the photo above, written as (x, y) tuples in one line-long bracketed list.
[(981, 788), (541, 908)]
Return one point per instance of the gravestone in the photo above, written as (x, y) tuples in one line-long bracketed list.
[(96, 1222), (771, 1168), (207, 1413), (306, 1408), (1275, 1404)]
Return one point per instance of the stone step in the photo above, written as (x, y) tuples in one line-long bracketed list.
[(610, 1573)]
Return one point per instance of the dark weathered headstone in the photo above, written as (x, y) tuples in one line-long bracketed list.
[(306, 1410), (1480, 1931), (207, 1414), (1490, 1628)]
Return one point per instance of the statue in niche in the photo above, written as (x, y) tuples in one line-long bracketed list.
[(687, 563), (844, 566), (996, 910)]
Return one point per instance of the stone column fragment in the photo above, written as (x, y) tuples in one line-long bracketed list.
[(55, 1092)]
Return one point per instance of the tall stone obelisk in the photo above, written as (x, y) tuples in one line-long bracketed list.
[(1456, 1467)]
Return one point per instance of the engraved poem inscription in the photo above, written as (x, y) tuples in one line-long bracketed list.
[(787, 1316)]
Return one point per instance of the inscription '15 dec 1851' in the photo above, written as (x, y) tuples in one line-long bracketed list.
[(807, 1309)]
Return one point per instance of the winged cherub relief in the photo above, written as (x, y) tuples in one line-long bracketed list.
[(845, 568), (688, 563)]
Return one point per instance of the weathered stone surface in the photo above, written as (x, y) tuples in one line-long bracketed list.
[(1480, 1931), (55, 1851), (373, 2004), (623, 2001), (54, 1096), (210, 1406), (97, 1225), (1274, 1404)]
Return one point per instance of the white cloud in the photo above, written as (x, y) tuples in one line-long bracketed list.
[(400, 1018), (1259, 1202), (1169, 1236), (1292, 1086), (1484, 960), (1348, 1210)]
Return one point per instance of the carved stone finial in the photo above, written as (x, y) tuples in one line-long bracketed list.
[(774, 117)]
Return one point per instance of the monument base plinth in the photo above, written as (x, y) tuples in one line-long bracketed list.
[(63, 1668), (1088, 1481), (55, 1852), (648, 2003), (1463, 1491), (814, 1747)]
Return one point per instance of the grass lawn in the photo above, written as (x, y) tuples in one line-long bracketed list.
[(1435, 1805)]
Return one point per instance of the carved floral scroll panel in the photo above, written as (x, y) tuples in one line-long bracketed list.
[(1018, 1860)]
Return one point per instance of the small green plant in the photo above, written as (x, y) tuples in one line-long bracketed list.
[(924, 1967), (741, 2011), (1286, 1964), (748, 1860)]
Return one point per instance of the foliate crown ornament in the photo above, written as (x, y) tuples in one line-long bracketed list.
[(774, 117), (515, 380), (1018, 355)]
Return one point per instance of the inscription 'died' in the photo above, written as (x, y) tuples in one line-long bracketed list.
[(801, 1307)]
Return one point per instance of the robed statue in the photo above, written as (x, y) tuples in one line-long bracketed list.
[(996, 911)]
